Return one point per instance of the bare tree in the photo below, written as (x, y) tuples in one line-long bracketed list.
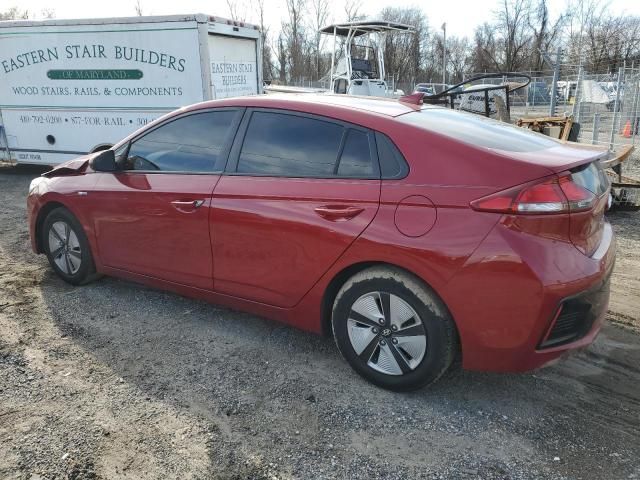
[(513, 30), (295, 38), (352, 10), (485, 49), (459, 60), (587, 31), (581, 13), (320, 16), (138, 8), (14, 13), (404, 52), (598, 40), (282, 59), (267, 66), (545, 32), (237, 10)]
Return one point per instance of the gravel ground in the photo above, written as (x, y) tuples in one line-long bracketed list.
[(115, 380)]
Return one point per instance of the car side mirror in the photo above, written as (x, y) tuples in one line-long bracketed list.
[(104, 161)]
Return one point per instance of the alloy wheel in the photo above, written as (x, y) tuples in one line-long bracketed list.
[(65, 248), (387, 333)]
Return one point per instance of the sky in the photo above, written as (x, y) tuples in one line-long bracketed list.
[(461, 20)]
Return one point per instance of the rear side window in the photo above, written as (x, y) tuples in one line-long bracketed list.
[(355, 160), (392, 163), (289, 146), (188, 144)]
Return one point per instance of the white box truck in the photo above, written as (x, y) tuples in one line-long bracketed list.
[(68, 87)]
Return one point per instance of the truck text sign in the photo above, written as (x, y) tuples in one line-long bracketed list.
[(62, 70)]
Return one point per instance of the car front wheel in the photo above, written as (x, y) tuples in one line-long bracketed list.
[(393, 330), (67, 247)]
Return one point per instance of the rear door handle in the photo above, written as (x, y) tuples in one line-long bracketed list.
[(184, 204), (336, 213)]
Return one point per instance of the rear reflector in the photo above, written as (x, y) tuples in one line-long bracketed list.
[(558, 194)]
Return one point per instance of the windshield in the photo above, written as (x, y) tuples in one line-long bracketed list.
[(477, 130)]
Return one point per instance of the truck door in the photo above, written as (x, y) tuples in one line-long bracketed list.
[(234, 66)]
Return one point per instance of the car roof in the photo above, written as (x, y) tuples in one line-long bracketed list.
[(310, 102), (365, 111)]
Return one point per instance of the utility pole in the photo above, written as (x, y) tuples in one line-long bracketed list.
[(444, 53)]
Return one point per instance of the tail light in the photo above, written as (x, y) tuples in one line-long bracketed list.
[(558, 194)]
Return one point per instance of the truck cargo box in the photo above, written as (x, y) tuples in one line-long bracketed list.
[(68, 87)]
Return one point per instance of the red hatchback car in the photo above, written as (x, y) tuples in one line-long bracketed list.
[(411, 233)]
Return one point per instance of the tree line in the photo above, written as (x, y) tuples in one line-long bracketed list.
[(515, 40)]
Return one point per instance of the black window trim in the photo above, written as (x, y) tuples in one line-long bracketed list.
[(234, 155), (220, 163)]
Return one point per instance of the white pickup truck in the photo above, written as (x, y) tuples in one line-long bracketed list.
[(68, 87)]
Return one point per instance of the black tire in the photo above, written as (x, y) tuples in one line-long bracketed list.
[(82, 270), (441, 338)]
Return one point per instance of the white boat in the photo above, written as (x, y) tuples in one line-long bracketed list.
[(360, 68)]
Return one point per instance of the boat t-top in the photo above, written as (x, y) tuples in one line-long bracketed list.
[(359, 70)]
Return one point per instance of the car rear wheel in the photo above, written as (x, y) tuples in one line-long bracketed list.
[(393, 330), (67, 247)]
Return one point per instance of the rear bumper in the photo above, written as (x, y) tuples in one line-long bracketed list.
[(517, 287), (587, 311), (577, 317)]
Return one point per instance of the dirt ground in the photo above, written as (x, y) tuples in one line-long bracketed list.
[(115, 380)]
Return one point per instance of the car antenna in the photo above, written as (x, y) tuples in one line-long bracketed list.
[(414, 98)]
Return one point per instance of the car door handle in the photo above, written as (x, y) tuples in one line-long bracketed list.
[(336, 213), (184, 204)]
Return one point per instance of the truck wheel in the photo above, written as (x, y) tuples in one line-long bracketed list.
[(393, 330), (67, 247)]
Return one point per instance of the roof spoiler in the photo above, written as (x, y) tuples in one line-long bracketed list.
[(414, 98)]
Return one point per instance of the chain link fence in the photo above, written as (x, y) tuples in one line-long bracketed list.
[(605, 106)]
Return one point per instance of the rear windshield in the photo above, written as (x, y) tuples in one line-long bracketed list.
[(477, 130)]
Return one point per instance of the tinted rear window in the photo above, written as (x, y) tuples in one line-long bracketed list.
[(355, 160), (477, 130), (289, 146), (392, 163)]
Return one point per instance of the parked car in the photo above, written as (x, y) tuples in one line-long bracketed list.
[(424, 88), (413, 234)]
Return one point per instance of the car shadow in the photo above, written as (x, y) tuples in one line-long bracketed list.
[(233, 368), (260, 382)]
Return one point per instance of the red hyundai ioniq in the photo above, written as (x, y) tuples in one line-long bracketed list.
[(412, 234)]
